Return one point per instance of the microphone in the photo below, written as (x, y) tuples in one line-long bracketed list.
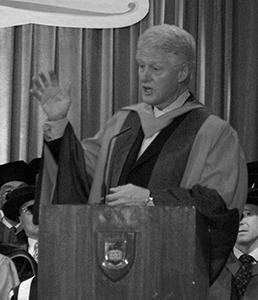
[(104, 187)]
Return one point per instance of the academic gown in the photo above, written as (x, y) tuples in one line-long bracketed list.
[(216, 160), (214, 178)]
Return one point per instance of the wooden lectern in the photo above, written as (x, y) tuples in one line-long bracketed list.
[(130, 253)]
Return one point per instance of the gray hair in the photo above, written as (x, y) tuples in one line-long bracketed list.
[(169, 39)]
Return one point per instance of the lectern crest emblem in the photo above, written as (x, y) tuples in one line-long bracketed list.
[(116, 251)]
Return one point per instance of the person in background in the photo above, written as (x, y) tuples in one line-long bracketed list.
[(239, 278), (12, 175), (8, 276), (19, 208), (167, 150)]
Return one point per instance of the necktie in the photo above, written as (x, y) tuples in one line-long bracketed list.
[(244, 274), (36, 251)]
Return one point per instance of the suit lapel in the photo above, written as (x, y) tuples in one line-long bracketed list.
[(255, 269), (233, 267), (153, 148)]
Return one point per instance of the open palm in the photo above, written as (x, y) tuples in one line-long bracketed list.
[(54, 100)]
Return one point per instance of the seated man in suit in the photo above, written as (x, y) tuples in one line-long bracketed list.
[(19, 208), (12, 175), (239, 278)]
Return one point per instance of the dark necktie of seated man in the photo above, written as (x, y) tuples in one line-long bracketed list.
[(244, 274)]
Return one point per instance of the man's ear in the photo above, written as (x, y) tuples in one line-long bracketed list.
[(183, 72)]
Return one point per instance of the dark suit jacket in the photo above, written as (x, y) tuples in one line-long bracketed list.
[(222, 289)]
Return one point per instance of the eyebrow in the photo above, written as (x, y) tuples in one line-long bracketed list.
[(7, 186)]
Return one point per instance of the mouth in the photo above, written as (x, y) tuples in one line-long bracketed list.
[(147, 90), (242, 231)]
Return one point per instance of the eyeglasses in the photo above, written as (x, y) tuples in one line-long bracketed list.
[(4, 194), (27, 210)]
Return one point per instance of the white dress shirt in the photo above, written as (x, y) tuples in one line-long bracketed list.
[(254, 254)]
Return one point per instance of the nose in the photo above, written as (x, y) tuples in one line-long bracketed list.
[(242, 220)]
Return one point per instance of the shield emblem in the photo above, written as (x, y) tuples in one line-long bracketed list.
[(116, 251)]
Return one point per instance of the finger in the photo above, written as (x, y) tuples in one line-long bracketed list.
[(111, 197), (134, 204), (117, 189), (115, 202), (36, 94), (53, 78), (37, 84), (44, 80)]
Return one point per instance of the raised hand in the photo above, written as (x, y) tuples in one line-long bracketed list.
[(54, 100)]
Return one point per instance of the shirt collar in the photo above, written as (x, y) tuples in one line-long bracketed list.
[(151, 124), (176, 104), (238, 253)]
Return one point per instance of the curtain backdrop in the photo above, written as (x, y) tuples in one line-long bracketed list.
[(101, 66)]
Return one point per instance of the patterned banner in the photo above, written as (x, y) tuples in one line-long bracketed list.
[(73, 13)]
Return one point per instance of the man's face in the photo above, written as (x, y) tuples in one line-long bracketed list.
[(159, 77), (8, 187), (248, 228), (26, 220)]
